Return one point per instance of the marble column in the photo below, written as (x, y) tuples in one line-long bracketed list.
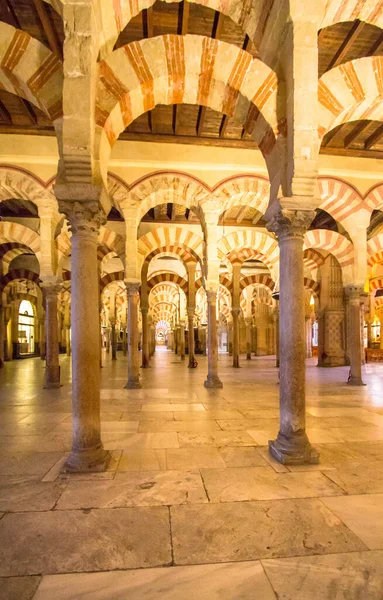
[(369, 334), (52, 370), (87, 452), (235, 314), (182, 340), (248, 322), (212, 380), (145, 338), (353, 293), (191, 336), (308, 330), (277, 334), (292, 445), (133, 354), (114, 338), (152, 337), (124, 339), (107, 340), (230, 338)]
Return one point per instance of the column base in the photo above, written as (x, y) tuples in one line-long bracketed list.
[(213, 382), (248, 357), (87, 461), (296, 450), (236, 363), (355, 381), (133, 385), (52, 378), (145, 366)]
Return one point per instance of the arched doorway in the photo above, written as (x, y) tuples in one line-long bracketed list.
[(26, 329)]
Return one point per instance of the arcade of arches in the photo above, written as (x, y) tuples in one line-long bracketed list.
[(175, 293)]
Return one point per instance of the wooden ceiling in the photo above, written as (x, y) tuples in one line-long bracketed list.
[(189, 123)]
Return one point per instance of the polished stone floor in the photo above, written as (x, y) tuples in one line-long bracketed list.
[(192, 505)]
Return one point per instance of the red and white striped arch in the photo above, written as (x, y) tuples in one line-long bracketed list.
[(252, 191), (313, 260), (263, 244), (261, 279), (18, 274), (191, 69), (166, 276), (29, 70), (116, 14), (14, 232), (352, 91), (172, 239), (169, 187), (20, 184), (368, 11), (336, 244), (375, 250)]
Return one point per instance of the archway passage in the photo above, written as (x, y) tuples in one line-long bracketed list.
[(26, 324)]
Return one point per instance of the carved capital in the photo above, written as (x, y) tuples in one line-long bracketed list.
[(288, 223), (211, 296), (191, 311), (51, 288), (235, 312), (132, 288), (84, 217), (144, 310)]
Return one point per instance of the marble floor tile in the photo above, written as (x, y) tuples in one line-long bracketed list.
[(194, 458), (359, 478), (96, 540), (245, 456), (245, 424), (193, 426), (219, 438), (28, 495), (251, 530), (173, 407), (261, 437), (135, 489), (263, 483), (351, 576), (18, 588), (119, 441), (143, 459), (22, 463), (244, 581), (363, 515), (278, 468), (150, 416)]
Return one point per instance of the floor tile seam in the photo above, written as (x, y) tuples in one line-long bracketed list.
[(344, 524), (345, 493)]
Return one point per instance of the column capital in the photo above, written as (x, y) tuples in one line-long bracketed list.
[(191, 311), (289, 223), (132, 287), (51, 288), (83, 217), (211, 295), (235, 311), (353, 291), (144, 309)]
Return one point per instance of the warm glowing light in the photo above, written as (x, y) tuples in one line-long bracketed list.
[(312, 301)]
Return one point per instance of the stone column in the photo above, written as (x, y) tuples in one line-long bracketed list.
[(133, 354), (87, 452), (292, 445), (145, 338), (212, 381), (248, 322), (308, 329), (182, 340), (52, 370), (114, 338), (191, 336), (353, 293), (235, 314), (369, 333), (277, 334), (230, 338), (107, 339), (124, 334)]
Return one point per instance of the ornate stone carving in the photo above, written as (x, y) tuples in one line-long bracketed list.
[(290, 223), (83, 216), (353, 292), (235, 312), (132, 287)]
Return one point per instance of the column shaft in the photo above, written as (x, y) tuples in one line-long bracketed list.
[(235, 313), (52, 370), (133, 354), (248, 339), (145, 338), (355, 348), (212, 381), (87, 449), (292, 445), (191, 344)]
